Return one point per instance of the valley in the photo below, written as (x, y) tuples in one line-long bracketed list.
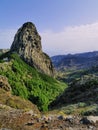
[(42, 93)]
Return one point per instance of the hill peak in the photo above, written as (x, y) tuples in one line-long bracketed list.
[(27, 43)]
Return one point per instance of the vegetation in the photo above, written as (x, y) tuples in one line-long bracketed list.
[(81, 97), (69, 76), (16, 102), (79, 108), (28, 83)]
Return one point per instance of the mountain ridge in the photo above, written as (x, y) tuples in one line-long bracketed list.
[(78, 60)]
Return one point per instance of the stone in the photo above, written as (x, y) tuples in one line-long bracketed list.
[(85, 121), (30, 112), (27, 43), (4, 83), (60, 117), (93, 119), (91, 127), (89, 120), (69, 119)]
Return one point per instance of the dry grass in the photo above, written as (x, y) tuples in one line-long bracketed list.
[(6, 98)]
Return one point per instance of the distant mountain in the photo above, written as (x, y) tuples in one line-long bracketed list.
[(75, 61), (80, 71)]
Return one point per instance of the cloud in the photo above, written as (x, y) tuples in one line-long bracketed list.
[(6, 38), (75, 39)]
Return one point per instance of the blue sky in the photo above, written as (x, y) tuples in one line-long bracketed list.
[(66, 26)]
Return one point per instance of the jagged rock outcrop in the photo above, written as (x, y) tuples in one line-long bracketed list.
[(4, 83), (27, 43), (3, 51)]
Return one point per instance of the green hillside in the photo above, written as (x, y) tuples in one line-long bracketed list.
[(28, 83)]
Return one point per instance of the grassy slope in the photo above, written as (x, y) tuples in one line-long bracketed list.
[(69, 76), (11, 101), (28, 83)]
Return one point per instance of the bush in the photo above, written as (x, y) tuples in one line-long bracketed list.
[(28, 83)]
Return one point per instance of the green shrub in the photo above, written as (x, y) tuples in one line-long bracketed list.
[(28, 83)]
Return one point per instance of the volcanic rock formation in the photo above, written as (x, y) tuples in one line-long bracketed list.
[(27, 43)]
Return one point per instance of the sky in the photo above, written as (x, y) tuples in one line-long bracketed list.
[(65, 26)]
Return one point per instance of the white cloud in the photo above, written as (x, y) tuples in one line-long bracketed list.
[(71, 40)]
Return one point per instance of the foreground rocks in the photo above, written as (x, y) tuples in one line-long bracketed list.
[(27, 43), (19, 120)]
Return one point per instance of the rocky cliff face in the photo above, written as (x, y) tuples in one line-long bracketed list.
[(27, 43)]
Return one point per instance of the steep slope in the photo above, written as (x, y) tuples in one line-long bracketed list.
[(6, 98), (4, 83), (81, 94), (27, 43), (8, 101), (15, 111), (29, 83)]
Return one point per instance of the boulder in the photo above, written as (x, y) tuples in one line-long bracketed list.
[(89, 120)]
